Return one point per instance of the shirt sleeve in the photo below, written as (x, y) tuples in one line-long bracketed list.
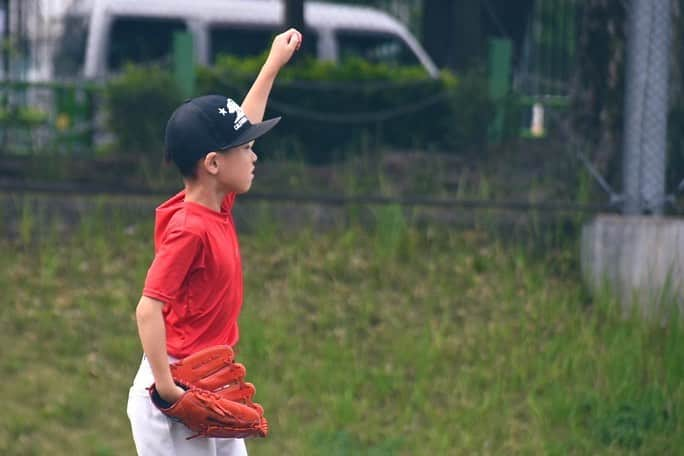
[(179, 254)]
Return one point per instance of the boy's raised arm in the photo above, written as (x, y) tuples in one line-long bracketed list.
[(284, 46)]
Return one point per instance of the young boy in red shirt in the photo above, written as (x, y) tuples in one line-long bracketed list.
[(193, 291)]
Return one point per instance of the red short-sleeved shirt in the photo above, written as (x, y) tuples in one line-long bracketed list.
[(197, 274)]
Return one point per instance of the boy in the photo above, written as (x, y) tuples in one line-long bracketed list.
[(193, 291)]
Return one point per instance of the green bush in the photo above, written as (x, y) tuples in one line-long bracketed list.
[(328, 109), (331, 109), (22, 117), (138, 103)]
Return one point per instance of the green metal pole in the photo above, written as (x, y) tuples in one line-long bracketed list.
[(5, 38), (4, 48), (184, 63), (500, 55)]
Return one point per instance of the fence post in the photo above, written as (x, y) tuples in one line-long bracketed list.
[(646, 106), (500, 53), (184, 63), (639, 256), (4, 36)]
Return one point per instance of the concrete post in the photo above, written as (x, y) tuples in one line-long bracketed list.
[(640, 258)]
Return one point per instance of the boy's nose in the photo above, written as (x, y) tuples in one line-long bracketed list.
[(254, 156)]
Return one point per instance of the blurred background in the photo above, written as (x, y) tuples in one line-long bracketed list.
[(464, 237)]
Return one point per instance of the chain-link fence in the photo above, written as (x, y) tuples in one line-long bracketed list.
[(566, 104), (646, 105)]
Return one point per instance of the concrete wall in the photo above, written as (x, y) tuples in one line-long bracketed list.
[(640, 258)]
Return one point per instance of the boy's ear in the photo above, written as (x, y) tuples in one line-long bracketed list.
[(210, 163)]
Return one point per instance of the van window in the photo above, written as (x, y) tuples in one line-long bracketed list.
[(376, 47), (238, 41), (137, 40), (71, 47), (243, 41)]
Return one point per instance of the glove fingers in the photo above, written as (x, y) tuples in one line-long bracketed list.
[(243, 393), (237, 391), (232, 373), (229, 410), (205, 363)]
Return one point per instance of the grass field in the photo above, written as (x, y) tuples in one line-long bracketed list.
[(399, 340)]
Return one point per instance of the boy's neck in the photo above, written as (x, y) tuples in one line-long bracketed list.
[(205, 195)]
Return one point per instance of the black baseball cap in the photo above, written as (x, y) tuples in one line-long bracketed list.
[(206, 124)]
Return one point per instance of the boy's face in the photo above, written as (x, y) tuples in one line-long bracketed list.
[(236, 168)]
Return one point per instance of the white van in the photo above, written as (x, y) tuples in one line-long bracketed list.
[(102, 35)]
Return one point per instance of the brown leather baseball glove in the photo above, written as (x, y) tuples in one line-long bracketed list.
[(218, 402), (210, 415)]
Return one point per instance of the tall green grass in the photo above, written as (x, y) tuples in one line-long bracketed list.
[(391, 340)]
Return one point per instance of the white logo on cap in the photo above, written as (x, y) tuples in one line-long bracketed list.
[(240, 117)]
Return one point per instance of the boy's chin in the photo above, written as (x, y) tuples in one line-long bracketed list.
[(243, 190)]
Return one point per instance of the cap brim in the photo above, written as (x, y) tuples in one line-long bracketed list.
[(253, 132)]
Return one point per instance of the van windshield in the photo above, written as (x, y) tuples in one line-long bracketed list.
[(71, 46), (142, 40), (375, 47)]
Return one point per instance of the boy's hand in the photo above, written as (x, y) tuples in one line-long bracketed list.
[(171, 393), (284, 46)]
